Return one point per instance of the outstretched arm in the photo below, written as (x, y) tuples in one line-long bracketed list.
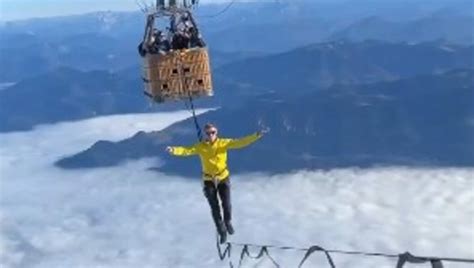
[(182, 151), (243, 142)]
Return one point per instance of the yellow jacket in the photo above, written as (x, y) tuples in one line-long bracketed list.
[(214, 155)]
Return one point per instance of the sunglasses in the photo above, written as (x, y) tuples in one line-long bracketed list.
[(211, 132)]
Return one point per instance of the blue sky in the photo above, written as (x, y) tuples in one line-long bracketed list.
[(21, 9)]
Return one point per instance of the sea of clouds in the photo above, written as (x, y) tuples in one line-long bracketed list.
[(129, 216)]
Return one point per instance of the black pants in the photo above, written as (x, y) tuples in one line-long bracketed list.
[(223, 190)]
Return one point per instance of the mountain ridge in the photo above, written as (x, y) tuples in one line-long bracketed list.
[(388, 123), (314, 67)]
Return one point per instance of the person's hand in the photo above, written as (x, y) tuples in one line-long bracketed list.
[(263, 131), (169, 149)]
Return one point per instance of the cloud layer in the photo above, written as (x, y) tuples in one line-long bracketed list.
[(128, 216)]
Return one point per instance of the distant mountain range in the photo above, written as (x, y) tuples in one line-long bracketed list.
[(339, 84), (66, 94), (420, 121), (322, 65), (457, 29), (45, 98), (27, 55), (108, 40)]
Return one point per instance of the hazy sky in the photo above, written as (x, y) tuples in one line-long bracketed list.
[(20, 9)]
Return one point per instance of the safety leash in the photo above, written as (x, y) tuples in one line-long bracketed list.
[(196, 122)]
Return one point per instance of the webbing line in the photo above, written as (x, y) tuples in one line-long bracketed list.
[(403, 258), (263, 251), (226, 253)]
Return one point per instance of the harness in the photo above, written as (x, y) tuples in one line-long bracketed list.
[(213, 176)]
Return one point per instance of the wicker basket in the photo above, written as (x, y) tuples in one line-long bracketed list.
[(177, 75)]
